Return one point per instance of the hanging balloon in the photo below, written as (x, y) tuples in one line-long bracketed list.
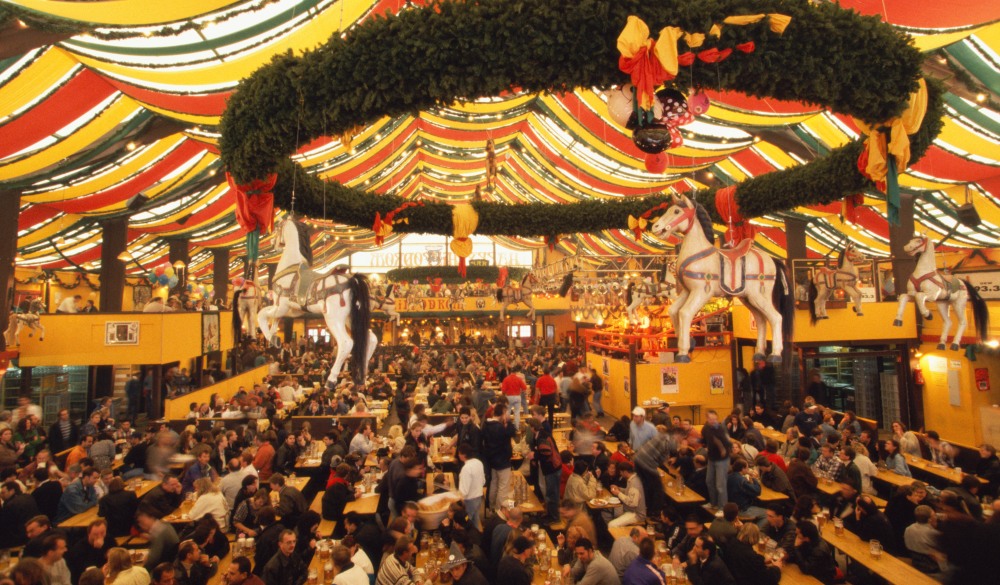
[(621, 103), (170, 272), (163, 278), (676, 139), (171, 281), (675, 107), (656, 163), (698, 103), (190, 288), (152, 278), (159, 270), (652, 139), (209, 287)]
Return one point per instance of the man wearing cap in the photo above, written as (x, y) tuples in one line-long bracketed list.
[(639, 431), (463, 572), (513, 568)]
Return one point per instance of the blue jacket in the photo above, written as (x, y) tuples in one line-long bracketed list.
[(742, 490), (76, 499), (643, 572)]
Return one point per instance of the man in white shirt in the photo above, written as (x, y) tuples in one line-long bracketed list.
[(348, 573), (155, 305), (69, 305), (230, 484), (362, 441), (471, 481)]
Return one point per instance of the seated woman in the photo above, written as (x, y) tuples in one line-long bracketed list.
[(209, 537), (210, 502), (336, 497)]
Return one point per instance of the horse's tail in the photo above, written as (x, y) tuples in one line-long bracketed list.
[(980, 312), (783, 300), (567, 284), (360, 319), (499, 294), (813, 295), (237, 321), (628, 293)]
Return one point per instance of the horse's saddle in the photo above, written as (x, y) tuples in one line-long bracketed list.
[(303, 278), (733, 274), (828, 276)]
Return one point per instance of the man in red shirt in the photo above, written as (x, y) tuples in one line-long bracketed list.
[(546, 388), (512, 387)]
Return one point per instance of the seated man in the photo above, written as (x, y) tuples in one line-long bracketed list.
[(632, 497)]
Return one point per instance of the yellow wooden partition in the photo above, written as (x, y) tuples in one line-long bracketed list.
[(843, 325), (177, 408), (954, 396), (81, 339), (694, 386)]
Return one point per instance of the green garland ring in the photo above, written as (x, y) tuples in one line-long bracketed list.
[(836, 58)]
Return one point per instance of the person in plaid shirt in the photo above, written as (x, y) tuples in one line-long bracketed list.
[(827, 465)]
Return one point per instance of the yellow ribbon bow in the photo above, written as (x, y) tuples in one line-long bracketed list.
[(898, 145), (636, 222)]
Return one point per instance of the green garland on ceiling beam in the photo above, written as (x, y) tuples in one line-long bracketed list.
[(853, 64), (489, 274)]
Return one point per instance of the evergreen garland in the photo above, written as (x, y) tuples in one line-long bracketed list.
[(447, 274), (401, 64)]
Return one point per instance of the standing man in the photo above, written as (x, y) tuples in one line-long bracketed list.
[(513, 387), (597, 387), (648, 460), (285, 567), (497, 453), (716, 441), (640, 431), (548, 393), (549, 463), (162, 537), (133, 389), (471, 481), (69, 305)]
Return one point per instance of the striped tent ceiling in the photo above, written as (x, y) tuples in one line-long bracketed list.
[(121, 120)]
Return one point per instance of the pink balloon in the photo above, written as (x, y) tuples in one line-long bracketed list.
[(698, 103)]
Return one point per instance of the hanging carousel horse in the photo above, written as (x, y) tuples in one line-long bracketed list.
[(247, 297), (29, 316), (342, 299), (927, 284), (387, 304), (704, 271), (510, 294), (640, 290), (844, 276), (457, 302)]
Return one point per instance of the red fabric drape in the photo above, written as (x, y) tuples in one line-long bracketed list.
[(255, 203), (739, 228)]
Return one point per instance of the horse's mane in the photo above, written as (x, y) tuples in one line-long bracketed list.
[(305, 246), (705, 220), (525, 278), (841, 257), (389, 290)]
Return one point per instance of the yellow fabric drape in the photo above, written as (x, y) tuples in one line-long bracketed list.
[(666, 48), (779, 22), (464, 221), (743, 19), (715, 31), (633, 37), (899, 141), (694, 40)]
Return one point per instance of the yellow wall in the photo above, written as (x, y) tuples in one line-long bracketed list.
[(79, 340), (962, 423), (692, 379), (932, 328), (177, 408), (843, 325)]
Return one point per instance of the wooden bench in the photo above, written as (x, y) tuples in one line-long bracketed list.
[(325, 526)]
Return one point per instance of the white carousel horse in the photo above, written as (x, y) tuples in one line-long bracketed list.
[(948, 292), (510, 294), (342, 299), (457, 302), (639, 291), (704, 271), (387, 304), (30, 318), (844, 276), (249, 305)]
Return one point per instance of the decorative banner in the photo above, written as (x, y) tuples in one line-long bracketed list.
[(983, 379), (987, 284), (605, 367), (210, 340), (668, 380), (716, 383)]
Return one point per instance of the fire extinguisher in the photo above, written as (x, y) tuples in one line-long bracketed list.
[(918, 377)]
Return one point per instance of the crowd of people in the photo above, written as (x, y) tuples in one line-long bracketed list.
[(496, 411)]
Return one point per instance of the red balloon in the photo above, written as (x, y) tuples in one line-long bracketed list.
[(656, 163), (676, 139)]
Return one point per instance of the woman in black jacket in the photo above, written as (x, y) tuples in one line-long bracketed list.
[(812, 554), (748, 567), (118, 507)]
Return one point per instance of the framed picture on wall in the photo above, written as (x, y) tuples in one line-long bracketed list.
[(141, 293), (121, 333), (210, 340)]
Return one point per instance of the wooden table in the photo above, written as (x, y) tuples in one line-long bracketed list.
[(310, 463), (540, 577), (830, 488), (767, 495), (774, 434), (893, 478), (83, 519), (888, 567), (687, 497), (178, 515), (533, 505), (602, 494), (936, 469)]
